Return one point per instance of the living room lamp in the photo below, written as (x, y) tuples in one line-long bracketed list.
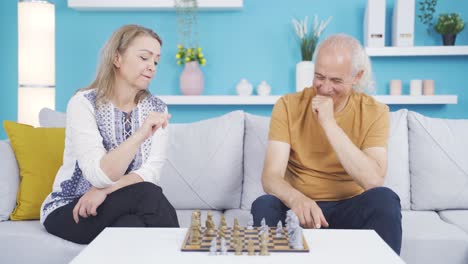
[(36, 59)]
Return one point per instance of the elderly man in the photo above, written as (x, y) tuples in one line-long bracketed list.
[(327, 152)]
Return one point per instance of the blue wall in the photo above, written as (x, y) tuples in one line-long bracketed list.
[(257, 43), (8, 62)]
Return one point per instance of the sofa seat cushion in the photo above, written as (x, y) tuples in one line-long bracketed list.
[(428, 239), (29, 242), (256, 141), (456, 217), (438, 163), (185, 217), (204, 163)]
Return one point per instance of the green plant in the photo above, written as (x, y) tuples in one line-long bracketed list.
[(185, 55), (449, 24), (187, 27), (427, 8), (308, 41)]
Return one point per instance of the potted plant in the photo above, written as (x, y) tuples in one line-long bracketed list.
[(308, 43), (427, 11), (189, 53), (449, 25)]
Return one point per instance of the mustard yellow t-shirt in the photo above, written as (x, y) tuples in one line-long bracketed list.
[(313, 167)]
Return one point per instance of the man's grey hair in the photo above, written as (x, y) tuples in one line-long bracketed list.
[(359, 59)]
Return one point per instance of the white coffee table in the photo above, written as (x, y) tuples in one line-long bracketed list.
[(162, 245)]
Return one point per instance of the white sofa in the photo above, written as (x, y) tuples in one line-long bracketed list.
[(215, 164)]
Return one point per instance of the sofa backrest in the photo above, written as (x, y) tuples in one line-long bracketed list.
[(204, 165), (438, 162), (256, 140)]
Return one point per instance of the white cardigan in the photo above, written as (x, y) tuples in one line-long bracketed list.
[(93, 131)]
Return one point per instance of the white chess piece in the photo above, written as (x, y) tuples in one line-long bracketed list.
[(250, 222), (279, 229), (213, 247), (223, 246)]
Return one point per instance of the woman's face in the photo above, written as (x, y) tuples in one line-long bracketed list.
[(137, 65)]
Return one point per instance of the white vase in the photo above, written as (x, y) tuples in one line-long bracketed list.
[(304, 75), (244, 88), (263, 89)]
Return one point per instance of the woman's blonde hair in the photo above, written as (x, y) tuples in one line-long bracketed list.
[(118, 43)]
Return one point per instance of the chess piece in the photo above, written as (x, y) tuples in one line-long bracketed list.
[(223, 246), (264, 245), (235, 233), (236, 225), (250, 222), (263, 222), (295, 232), (195, 229), (296, 239), (250, 248), (291, 222), (238, 246), (279, 229), (213, 247), (209, 224), (223, 221), (222, 231)]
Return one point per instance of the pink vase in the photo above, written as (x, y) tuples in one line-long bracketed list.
[(191, 79)]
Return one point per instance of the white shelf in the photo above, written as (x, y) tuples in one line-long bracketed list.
[(219, 100), (147, 5), (271, 100), (417, 100), (418, 51)]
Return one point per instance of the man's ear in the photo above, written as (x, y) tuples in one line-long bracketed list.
[(358, 77), (117, 60)]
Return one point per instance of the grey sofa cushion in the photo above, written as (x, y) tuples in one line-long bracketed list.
[(398, 175), (9, 179), (185, 217), (242, 216), (204, 164), (438, 163), (427, 239), (28, 242), (256, 140), (52, 118), (456, 217)]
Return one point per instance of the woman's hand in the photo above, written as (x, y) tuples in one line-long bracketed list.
[(88, 203), (153, 122)]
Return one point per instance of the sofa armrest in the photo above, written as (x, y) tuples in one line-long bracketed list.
[(9, 178)]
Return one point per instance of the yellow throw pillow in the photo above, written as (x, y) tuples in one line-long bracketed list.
[(39, 153)]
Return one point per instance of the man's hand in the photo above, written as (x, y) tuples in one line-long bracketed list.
[(153, 122), (309, 213), (323, 107), (88, 203)]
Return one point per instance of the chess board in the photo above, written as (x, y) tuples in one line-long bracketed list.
[(274, 244)]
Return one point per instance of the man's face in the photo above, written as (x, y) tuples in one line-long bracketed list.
[(333, 74)]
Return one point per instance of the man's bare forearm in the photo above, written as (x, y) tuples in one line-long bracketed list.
[(363, 169)]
